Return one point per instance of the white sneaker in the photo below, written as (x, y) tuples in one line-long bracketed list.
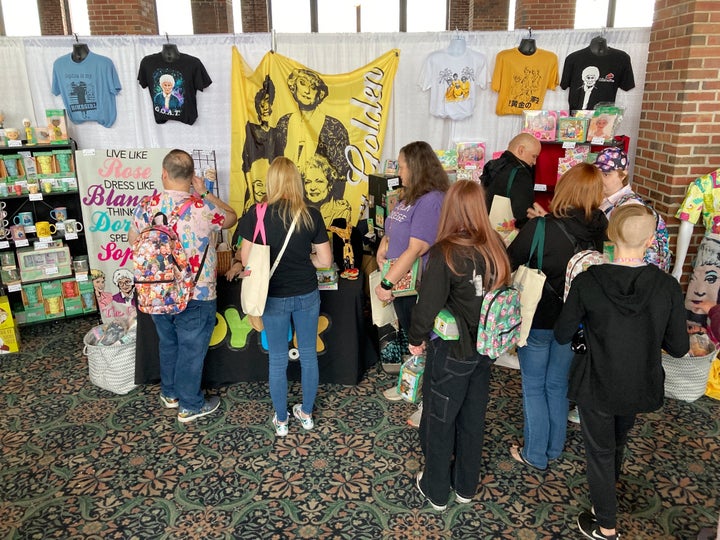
[(574, 415), (305, 421), (392, 394), (414, 419), (462, 500), (281, 428), (438, 507)]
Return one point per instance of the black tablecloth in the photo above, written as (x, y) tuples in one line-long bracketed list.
[(237, 354)]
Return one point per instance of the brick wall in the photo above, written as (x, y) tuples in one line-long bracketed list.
[(121, 17), (679, 136), (212, 16), (459, 14), (254, 16), (490, 15), (544, 15), (54, 21)]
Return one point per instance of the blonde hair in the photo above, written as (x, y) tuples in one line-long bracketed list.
[(631, 225), (285, 187), (581, 187)]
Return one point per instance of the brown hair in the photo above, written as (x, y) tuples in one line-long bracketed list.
[(179, 165), (581, 187), (426, 171), (465, 227)]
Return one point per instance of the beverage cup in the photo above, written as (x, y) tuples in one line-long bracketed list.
[(26, 219), (4, 223), (72, 226), (44, 228), (17, 232), (5, 234), (17, 188), (59, 213), (3, 204)]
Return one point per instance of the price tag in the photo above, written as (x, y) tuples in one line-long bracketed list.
[(51, 270), (14, 287), (81, 277), (30, 228), (22, 243), (541, 187), (88, 152), (35, 197), (43, 242), (4, 244), (597, 140), (14, 143), (71, 236), (569, 144)]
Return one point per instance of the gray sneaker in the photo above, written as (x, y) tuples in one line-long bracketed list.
[(211, 405)]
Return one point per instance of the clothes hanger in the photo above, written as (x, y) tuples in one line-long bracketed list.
[(80, 51), (170, 51), (527, 45), (598, 45)]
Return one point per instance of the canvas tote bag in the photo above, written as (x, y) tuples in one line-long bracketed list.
[(382, 313), (256, 276), (501, 214), (530, 282)]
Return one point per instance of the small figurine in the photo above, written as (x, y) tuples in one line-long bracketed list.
[(12, 134), (29, 132)]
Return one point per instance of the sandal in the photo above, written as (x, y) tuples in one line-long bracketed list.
[(517, 455)]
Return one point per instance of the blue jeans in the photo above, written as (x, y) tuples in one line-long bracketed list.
[(184, 340), (544, 365), (304, 311)]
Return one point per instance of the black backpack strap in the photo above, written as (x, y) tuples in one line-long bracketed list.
[(202, 262), (567, 234)]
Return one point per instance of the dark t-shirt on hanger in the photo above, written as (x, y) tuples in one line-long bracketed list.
[(614, 71), (173, 86)]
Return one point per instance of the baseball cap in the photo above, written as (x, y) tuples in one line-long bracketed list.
[(611, 159)]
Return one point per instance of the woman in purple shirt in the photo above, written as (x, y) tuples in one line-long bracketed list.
[(411, 229)]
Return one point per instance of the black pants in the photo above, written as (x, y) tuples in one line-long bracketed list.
[(455, 398), (605, 436)]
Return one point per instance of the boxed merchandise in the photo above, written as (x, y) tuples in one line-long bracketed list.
[(87, 294), (53, 299), (13, 167), (35, 313), (57, 125), (327, 279), (32, 294), (445, 326), (73, 306), (409, 283), (572, 129), (448, 158), (540, 124), (471, 155), (9, 340), (410, 379), (44, 263)]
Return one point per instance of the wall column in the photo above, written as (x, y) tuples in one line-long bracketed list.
[(112, 18), (54, 17), (212, 16), (255, 15)]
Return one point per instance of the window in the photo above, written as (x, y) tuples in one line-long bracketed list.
[(594, 13), (21, 18), (79, 19), (237, 17), (291, 15), (426, 16), (375, 15), (174, 17)]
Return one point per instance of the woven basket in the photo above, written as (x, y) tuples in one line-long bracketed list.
[(686, 377), (111, 367), (224, 261)]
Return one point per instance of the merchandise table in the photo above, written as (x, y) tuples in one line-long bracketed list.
[(238, 353)]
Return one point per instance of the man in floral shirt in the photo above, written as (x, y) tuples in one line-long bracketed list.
[(185, 336)]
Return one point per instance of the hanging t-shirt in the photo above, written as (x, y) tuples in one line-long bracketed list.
[(453, 81), (173, 85), (522, 80), (594, 79), (88, 88)]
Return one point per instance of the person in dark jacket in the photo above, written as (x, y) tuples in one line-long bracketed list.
[(467, 260), (575, 222), (516, 162), (629, 310)]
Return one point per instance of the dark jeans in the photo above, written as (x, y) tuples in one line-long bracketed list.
[(183, 343), (605, 436), (455, 398)]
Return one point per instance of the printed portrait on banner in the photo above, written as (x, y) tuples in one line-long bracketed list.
[(330, 126)]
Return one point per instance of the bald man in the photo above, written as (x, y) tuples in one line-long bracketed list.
[(517, 161)]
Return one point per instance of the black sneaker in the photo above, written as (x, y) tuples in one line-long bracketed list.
[(588, 525)]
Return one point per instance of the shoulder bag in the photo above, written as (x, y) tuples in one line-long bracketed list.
[(530, 282), (257, 274)]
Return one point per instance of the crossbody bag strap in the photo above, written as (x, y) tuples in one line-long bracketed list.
[(511, 179), (287, 239), (538, 242)]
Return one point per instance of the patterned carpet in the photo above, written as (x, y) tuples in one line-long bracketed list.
[(80, 462)]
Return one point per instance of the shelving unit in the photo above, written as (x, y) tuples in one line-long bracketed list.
[(44, 277)]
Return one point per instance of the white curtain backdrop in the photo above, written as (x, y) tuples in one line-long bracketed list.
[(27, 75)]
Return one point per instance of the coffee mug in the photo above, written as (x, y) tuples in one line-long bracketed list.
[(17, 232), (47, 186), (3, 204), (4, 223), (5, 234), (26, 219), (72, 226), (59, 213), (33, 188), (44, 228), (17, 188)]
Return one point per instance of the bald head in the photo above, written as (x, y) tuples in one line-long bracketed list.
[(525, 147)]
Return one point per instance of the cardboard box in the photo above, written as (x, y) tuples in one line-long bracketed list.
[(44, 263), (87, 295), (445, 326), (57, 125), (35, 313), (73, 306), (32, 295), (9, 340), (6, 314)]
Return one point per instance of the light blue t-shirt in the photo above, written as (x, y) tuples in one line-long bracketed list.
[(88, 88)]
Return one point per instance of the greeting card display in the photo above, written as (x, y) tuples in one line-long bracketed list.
[(603, 124), (572, 157), (572, 129), (448, 158), (471, 155)]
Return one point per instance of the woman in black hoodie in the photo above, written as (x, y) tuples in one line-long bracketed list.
[(574, 223)]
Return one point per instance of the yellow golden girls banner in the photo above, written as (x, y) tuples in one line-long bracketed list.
[(331, 126)]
